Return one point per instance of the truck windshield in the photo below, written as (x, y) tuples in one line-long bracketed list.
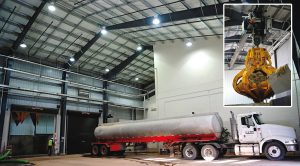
[(257, 119)]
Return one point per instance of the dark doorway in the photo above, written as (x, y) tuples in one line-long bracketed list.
[(80, 131), (28, 144), (30, 129)]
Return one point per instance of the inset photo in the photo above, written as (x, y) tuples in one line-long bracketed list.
[(257, 55)]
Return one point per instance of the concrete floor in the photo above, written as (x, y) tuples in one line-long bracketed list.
[(155, 160)]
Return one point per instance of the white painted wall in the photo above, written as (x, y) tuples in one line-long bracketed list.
[(190, 80), (152, 111), (284, 57), (284, 54)]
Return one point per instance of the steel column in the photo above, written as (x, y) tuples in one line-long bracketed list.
[(6, 79), (63, 113), (105, 104)]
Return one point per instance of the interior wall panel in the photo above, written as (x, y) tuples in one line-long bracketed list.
[(191, 79)]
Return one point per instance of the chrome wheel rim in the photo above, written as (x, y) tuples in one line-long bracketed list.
[(208, 152), (274, 151), (189, 152)]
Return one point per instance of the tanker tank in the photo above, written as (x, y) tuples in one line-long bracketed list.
[(184, 125)]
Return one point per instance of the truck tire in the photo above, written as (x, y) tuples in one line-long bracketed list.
[(190, 152), (275, 151), (209, 152), (103, 150), (95, 150)]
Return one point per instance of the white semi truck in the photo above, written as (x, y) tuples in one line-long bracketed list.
[(200, 135)]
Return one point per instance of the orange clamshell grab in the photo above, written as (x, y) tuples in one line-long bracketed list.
[(252, 80)]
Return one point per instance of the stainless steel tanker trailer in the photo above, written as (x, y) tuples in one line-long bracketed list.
[(199, 135)]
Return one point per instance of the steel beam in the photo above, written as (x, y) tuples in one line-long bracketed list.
[(275, 24), (205, 11), (236, 19), (28, 25), (84, 48), (63, 114), (236, 38), (113, 72), (6, 79), (238, 50), (296, 55)]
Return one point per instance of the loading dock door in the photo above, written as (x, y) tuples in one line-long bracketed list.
[(30, 129), (80, 131)]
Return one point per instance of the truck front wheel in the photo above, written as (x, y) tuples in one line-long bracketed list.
[(190, 152), (104, 151), (95, 150), (274, 151), (209, 152)]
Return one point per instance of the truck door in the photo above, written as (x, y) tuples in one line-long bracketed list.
[(248, 131)]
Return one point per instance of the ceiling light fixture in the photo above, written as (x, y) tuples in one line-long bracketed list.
[(103, 31), (139, 47), (51, 7), (23, 45), (107, 70), (189, 44), (136, 78), (72, 59), (155, 21)]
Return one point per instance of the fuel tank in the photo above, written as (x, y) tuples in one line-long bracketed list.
[(184, 125)]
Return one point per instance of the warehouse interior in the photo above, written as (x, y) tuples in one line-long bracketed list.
[(69, 66)]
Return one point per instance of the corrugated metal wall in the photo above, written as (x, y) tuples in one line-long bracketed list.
[(124, 100), (31, 82)]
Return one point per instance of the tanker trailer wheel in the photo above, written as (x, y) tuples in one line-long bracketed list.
[(190, 152), (274, 151), (104, 151), (95, 150), (209, 152)]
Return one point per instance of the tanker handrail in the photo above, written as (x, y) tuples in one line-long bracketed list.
[(166, 118)]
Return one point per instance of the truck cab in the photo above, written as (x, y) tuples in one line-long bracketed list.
[(256, 137)]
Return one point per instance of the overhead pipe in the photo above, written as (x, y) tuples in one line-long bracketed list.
[(60, 69), (70, 82), (48, 97)]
